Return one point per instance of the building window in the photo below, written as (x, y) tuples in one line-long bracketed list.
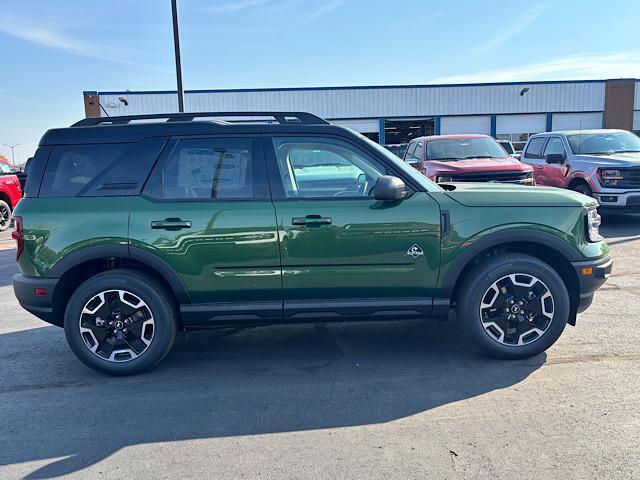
[(519, 140)]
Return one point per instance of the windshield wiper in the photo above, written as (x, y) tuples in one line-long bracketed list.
[(445, 159), (626, 151), (479, 156)]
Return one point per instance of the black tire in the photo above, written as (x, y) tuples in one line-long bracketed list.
[(583, 188), (5, 215), (147, 289), (478, 286)]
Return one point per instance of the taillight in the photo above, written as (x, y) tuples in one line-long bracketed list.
[(18, 235)]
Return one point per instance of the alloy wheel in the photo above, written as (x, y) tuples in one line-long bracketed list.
[(517, 309), (117, 325), (5, 216)]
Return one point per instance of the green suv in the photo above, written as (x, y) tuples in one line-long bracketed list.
[(133, 228)]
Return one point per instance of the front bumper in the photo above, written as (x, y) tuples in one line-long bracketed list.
[(591, 275), (40, 305), (615, 198)]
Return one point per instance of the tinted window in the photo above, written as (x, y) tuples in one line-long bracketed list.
[(324, 167), (211, 168), (410, 150), (99, 169), (418, 152), (534, 149), (554, 146)]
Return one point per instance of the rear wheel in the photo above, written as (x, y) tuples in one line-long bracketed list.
[(120, 322), (514, 306), (5, 215)]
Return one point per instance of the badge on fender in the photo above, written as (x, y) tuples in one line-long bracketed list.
[(415, 251)]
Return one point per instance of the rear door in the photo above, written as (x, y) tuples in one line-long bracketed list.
[(343, 252), (206, 212)]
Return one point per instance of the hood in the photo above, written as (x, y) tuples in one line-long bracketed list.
[(506, 195), (471, 165), (631, 159)]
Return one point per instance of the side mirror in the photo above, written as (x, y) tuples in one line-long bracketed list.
[(555, 158), (389, 188)]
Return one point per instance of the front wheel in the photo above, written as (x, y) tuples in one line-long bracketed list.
[(120, 322), (5, 215), (514, 306), (583, 188)]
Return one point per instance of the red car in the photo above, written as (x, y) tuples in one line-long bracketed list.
[(466, 158), (10, 194)]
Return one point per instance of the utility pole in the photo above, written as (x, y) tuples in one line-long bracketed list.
[(13, 158), (176, 45)]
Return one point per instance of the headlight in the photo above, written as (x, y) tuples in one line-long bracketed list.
[(593, 225), (529, 179), (443, 179), (610, 177)]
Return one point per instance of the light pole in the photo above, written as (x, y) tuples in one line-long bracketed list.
[(13, 158), (176, 46)]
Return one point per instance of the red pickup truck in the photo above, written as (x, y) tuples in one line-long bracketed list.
[(10, 194), (466, 158)]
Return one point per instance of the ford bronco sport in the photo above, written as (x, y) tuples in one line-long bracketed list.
[(133, 228)]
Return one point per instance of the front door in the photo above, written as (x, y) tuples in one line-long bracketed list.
[(206, 212), (343, 252), (555, 173)]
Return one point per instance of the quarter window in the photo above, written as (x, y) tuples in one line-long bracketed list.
[(197, 169), (324, 167), (534, 149)]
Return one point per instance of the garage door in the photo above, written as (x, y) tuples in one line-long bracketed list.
[(636, 121), (576, 121), (535, 123), (365, 125), (471, 124)]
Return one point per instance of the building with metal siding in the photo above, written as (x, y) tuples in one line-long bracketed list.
[(393, 114)]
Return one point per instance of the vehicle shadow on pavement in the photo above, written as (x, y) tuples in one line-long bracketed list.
[(234, 382)]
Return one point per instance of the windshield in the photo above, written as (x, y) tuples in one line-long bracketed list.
[(453, 149), (5, 169), (604, 143), (400, 165)]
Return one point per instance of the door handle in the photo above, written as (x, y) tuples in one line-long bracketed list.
[(170, 224), (311, 220)]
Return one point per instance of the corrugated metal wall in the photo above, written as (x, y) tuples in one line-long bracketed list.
[(378, 102), (636, 105)]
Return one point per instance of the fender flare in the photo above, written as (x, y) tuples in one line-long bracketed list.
[(125, 252), (544, 239)]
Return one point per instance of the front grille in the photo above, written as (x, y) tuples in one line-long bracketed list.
[(502, 177), (630, 177)]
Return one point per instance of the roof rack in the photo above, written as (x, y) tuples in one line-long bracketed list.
[(280, 117)]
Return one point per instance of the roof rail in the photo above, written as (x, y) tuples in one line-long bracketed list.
[(280, 117)]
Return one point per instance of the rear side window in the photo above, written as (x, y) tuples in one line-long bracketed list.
[(534, 149), (99, 170), (210, 168)]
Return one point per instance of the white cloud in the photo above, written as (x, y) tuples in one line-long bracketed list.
[(229, 7), (322, 10), (573, 67), (518, 26)]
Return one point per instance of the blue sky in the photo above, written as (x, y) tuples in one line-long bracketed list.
[(50, 51)]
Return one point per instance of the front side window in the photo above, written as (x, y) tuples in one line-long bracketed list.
[(199, 169), (325, 168), (554, 147), (454, 149), (417, 154), (604, 143)]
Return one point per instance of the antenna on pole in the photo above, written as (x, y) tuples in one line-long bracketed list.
[(176, 46)]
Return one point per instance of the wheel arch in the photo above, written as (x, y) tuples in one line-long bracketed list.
[(545, 246), (577, 178), (84, 263), (7, 198)]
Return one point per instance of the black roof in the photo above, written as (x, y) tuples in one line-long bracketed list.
[(137, 127)]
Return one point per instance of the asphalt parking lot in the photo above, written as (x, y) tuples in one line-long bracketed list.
[(398, 400)]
